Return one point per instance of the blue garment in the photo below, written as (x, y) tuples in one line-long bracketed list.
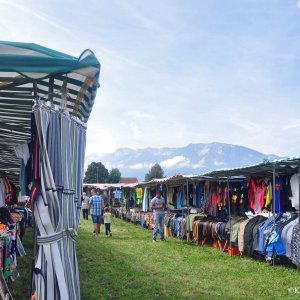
[(178, 202), (275, 243), (96, 202), (176, 226), (278, 189), (260, 242), (198, 196), (159, 223)]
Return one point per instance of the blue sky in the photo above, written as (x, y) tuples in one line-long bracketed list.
[(178, 72)]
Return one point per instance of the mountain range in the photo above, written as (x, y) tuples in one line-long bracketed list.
[(194, 159)]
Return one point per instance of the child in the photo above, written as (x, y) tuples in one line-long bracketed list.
[(107, 221)]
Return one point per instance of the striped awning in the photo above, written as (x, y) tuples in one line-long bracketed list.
[(29, 72)]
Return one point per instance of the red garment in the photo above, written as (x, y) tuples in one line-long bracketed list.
[(256, 192)]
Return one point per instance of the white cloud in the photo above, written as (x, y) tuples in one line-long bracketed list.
[(99, 140), (298, 4), (137, 166), (136, 131), (137, 114), (176, 160)]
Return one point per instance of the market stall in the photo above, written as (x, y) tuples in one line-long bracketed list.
[(249, 211), (46, 98)]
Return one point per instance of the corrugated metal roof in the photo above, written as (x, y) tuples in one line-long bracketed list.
[(282, 166), (105, 186)]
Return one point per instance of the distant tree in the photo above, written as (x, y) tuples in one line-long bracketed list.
[(156, 171), (114, 175), (96, 173)]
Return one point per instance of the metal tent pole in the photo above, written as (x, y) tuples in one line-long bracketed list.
[(274, 203), (35, 93), (188, 203), (51, 85), (298, 223), (229, 208)]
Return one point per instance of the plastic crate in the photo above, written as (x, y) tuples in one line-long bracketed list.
[(216, 244), (233, 251)]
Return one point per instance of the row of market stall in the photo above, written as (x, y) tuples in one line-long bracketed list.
[(247, 211)]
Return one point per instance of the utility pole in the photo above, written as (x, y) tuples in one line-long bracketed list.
[(97, 168)]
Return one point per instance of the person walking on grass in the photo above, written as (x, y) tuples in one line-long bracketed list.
[(85, 206), (96, 203), (157, 205), (107, 221)]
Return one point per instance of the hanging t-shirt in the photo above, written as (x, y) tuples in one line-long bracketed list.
[(268, 196), (178, 200), (294, 181), (22, 151), (139, 193), (117, 194)]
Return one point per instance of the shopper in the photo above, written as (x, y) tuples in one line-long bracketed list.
[(107, 221), (96, 203), (85, 206), (157, 204)]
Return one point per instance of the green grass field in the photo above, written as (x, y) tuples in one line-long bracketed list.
[(20, 289), (129, 266)]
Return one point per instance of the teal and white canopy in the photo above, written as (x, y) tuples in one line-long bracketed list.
[(29, 72)]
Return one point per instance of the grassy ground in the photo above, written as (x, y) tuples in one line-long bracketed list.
[(129, 266), (20, 289)]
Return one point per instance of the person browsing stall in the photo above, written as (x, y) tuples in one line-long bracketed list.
[(107, 221), (96, 203), (85, 206), (157, 204)]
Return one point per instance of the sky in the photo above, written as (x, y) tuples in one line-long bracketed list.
[(178, 72)]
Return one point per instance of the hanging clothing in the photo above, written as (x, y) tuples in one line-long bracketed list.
[(278, 189), (178, 199), (139, 193), (276, 244), (268, 196), (294, 181), (286, 236), (256, 192), (248, 235), (145, 200), (170, 195), (22, 151), (295, 245), (117, 194), (241, 233), (198, 195)]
